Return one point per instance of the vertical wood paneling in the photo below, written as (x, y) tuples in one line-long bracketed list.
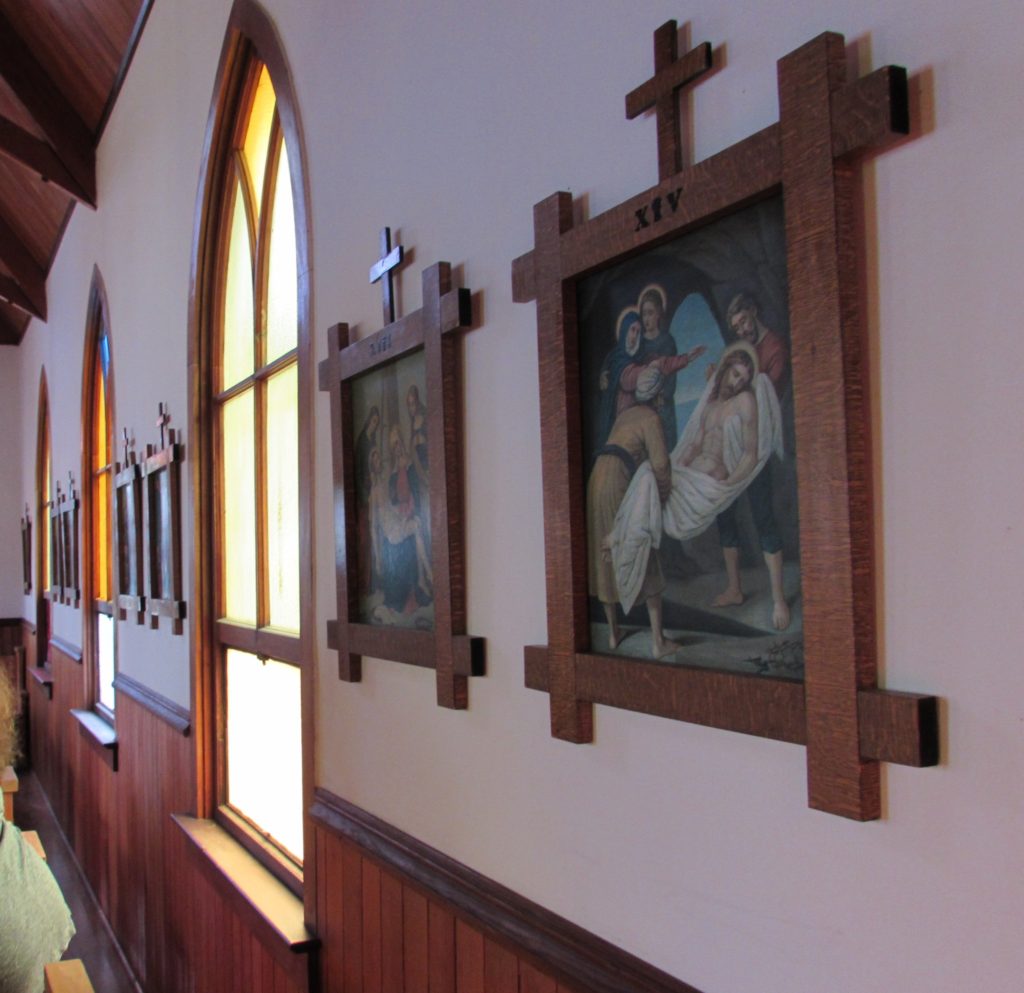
[(371, 928), (391, 930), (501, 969), (352, 933), (441, 949), (532, 980), (416, 950), (469, 959)]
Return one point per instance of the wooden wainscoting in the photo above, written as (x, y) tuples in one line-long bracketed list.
[(396, 916)]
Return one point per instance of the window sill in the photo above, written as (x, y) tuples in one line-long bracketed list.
[(99, 734), (266, 905), (44, 679)]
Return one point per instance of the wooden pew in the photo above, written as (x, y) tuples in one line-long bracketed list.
[(9, 784), (68, 976)]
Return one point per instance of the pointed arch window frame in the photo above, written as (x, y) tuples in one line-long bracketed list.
[(250, 36), (99, 594)]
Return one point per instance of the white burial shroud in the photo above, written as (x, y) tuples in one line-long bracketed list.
[(696, 499)]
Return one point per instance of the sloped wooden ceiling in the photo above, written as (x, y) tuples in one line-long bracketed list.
[(62, 63)]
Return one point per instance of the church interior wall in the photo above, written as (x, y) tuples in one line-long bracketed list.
[(692, 848)]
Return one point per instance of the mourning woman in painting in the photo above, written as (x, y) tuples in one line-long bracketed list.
[(642, 344)]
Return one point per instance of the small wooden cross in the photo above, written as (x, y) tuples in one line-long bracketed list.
[(661, 91), (390, 258), (126, 443), (161, 422)]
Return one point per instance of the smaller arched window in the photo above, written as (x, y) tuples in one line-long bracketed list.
[(44, 518), (97, 474)]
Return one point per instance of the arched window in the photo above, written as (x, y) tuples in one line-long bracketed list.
[(97, 490), (44, 511), (251, 485)]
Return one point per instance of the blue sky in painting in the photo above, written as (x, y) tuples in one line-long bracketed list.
[(693, 324)]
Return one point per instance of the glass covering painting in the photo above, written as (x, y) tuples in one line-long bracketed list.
[(692, 520), (393, 495)]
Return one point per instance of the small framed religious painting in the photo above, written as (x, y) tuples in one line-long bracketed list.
[(128, 529), (65, 545), (397, 450), (705, 435), (162, 528), (26, 551)]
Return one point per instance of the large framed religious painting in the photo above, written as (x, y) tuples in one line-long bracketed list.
[(397, 453), (705, 436)]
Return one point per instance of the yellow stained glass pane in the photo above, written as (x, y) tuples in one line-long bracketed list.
[(102, 535), (283, 499), (282, 272), (238, 512), (237, 351), (257, 133), (100, 420), (264, 752), (47, 505)]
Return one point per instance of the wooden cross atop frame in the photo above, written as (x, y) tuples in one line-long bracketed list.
[(661, 91), (447, 648), (163, 419), (381, 270)]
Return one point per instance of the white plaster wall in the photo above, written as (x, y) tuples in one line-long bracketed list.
[(690, 847)]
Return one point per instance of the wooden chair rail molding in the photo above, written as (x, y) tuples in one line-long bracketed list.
[(167, 710), (68, 976), (575, 958)]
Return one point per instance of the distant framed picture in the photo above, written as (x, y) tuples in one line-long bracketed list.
[(705, 437), (129, 484), (161, 477), (26, 552), (396, 428)]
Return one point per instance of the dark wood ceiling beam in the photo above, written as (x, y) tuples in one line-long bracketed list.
[(26, 274), (10, 333), (15, 296), (42, 98), (21, 146)]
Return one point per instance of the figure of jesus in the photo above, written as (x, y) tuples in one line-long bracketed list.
[(731, 396)]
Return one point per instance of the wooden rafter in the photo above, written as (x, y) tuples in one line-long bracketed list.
[(26, 287), (10, 334), (22, 146), (71, 140)]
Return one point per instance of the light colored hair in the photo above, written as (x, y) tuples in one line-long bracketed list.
[(8, 715)]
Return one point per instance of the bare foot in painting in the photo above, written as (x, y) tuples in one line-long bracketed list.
[(780, 615), (731, 596), (614, 639), (665, 647)]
